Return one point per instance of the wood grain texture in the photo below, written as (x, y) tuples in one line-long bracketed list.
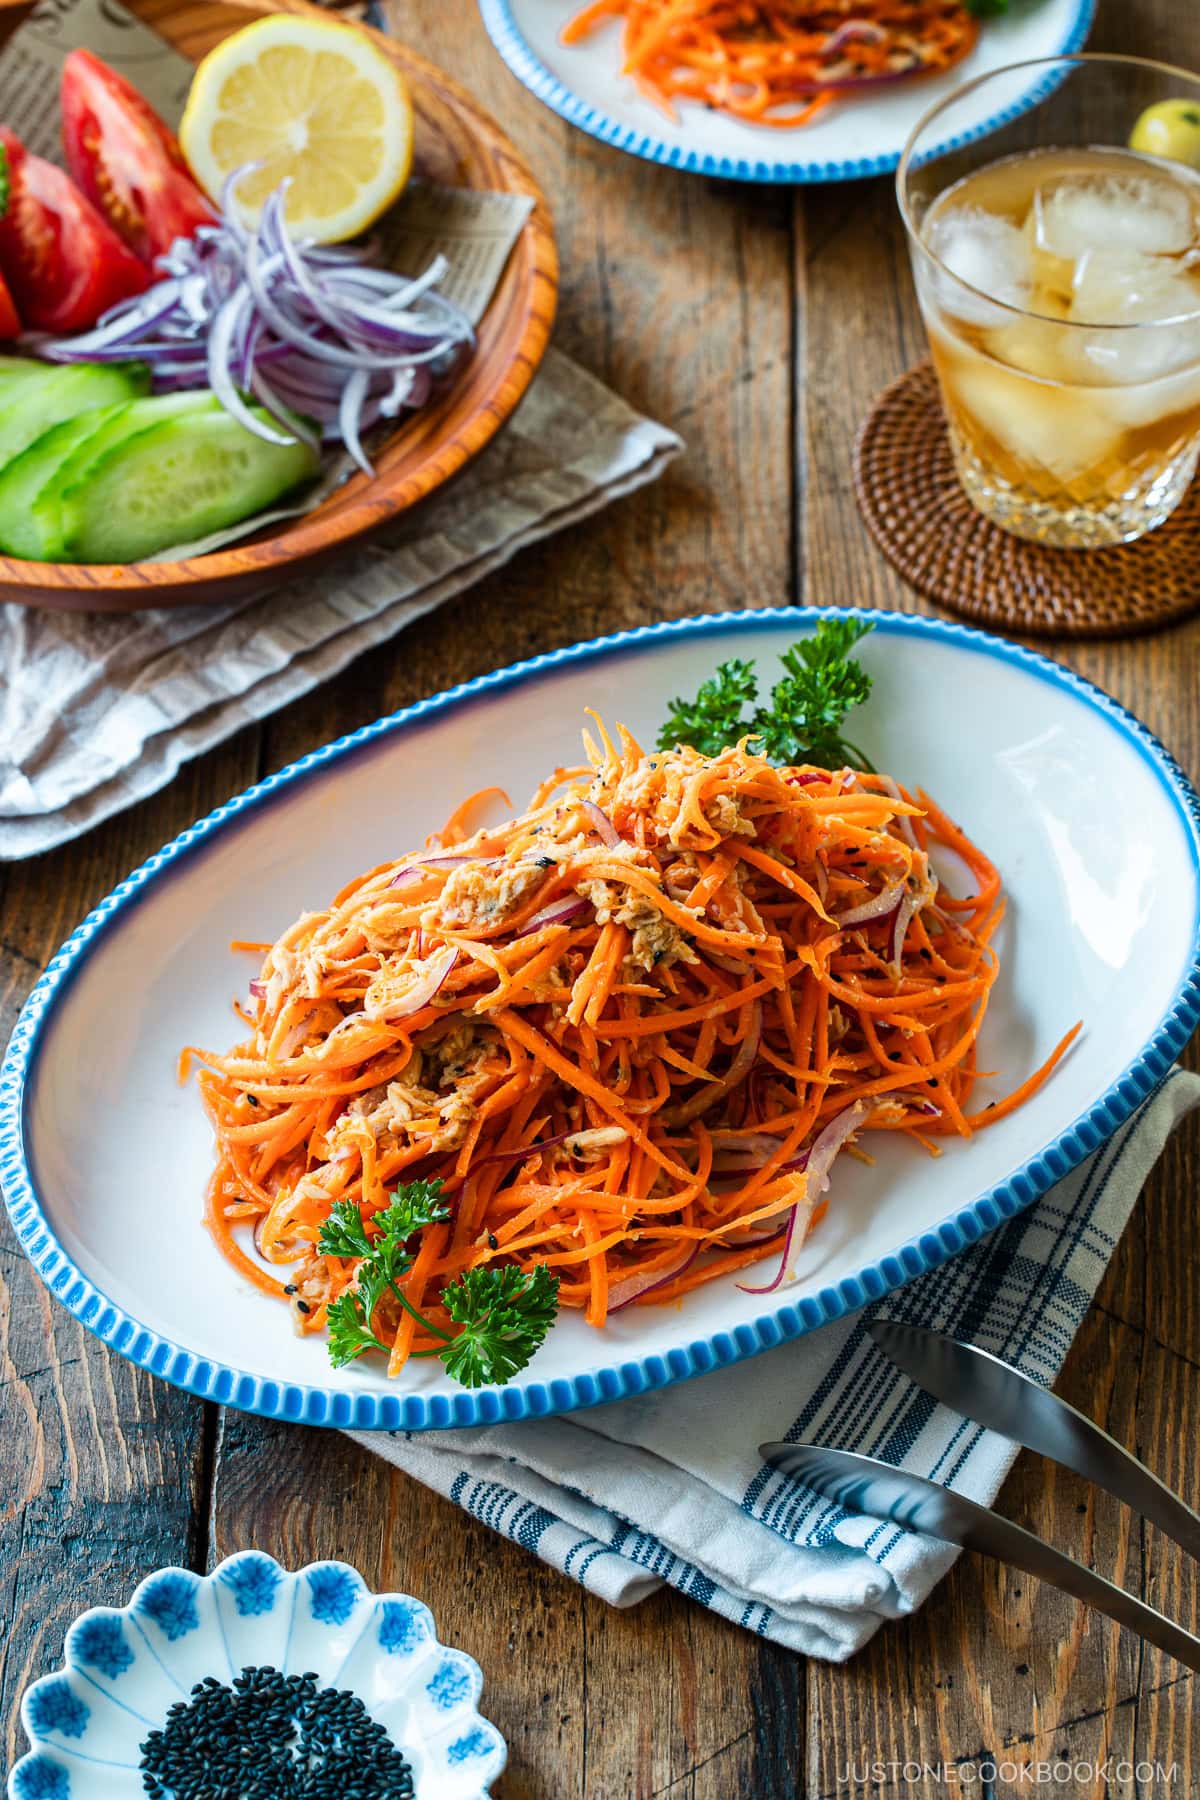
[(456, 142), (104, 1472), (760, 324)]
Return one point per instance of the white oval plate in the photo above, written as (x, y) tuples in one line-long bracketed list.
[(104, 1157), (854, 138)]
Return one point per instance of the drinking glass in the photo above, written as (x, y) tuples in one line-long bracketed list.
[(1058, 274)]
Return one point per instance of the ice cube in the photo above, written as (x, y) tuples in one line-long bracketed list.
[(1058, 429), (1132, 293), (1134, 357), (987, 253), (1146, 402), (1035, 345), (1119, 287), (1113, 212)]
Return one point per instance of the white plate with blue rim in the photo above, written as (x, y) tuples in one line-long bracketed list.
[(853, 138), (104, 1157), (378, 1673)]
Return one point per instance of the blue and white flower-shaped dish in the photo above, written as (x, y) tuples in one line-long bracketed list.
[(125, 1669)]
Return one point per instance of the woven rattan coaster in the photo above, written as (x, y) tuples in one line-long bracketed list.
[(926, 527)]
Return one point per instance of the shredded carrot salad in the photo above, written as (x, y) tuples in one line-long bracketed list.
[(629, 1031), (777, 62)]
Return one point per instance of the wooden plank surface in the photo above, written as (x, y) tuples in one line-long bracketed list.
[(760, 324)]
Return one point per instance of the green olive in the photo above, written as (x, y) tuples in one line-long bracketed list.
[(1171, 129)]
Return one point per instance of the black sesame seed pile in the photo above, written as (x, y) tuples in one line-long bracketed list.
[(272, 1737)]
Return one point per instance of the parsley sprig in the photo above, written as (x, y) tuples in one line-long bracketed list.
[(821, 683), (503, 1313)]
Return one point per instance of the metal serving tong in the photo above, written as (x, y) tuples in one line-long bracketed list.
[(984, 1389)]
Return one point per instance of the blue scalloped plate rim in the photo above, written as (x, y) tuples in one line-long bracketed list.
[(533, 74), (343, 1409)]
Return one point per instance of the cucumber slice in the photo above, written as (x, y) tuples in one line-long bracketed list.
[(14, 369), (22, 480), (121, 422), (37, 405), (198, 473)]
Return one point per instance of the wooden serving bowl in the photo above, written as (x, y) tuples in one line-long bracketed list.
[(456, 143)]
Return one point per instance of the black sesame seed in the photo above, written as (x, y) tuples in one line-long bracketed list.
[(272, 1737), (290, 1288), (304, 1306), (493, 1241)]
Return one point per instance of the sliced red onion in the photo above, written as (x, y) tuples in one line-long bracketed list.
[(749, 1149), (524, 1150), (557, 913), (631, 1287), (818, 1162), (350, 408), (911, 1098), (795, 1232), (743, 1240), (877, 906), (860, 31), (914, 900), (411, 870), (419, 992), (852, 84), (346, 345), (258, 989), (602, 824), (806, 778), (902, 822)]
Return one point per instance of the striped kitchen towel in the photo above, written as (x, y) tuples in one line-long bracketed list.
[(668, 1487)]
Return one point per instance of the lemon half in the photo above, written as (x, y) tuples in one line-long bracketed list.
[(308, 100)]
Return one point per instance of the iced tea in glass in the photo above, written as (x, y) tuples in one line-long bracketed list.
[(1058, 273)]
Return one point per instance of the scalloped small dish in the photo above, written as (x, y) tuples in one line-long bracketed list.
[(124, 1669)]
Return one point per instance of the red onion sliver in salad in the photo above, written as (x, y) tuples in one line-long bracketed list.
[(602, 824)]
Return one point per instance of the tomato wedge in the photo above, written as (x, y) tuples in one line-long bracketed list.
[(10, 323), (126, 160), (62, 263)]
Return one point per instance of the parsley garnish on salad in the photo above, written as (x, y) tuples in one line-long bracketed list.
[(503, 1312), (802, 723)]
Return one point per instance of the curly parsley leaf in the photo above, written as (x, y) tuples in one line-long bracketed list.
[(343, 1233), (821, 683), (803, 721), (505, 1314), (714, 718), (414, 1205), (382, 1260), (349, 1321)]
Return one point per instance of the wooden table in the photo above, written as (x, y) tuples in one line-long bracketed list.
[(760, 324)]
